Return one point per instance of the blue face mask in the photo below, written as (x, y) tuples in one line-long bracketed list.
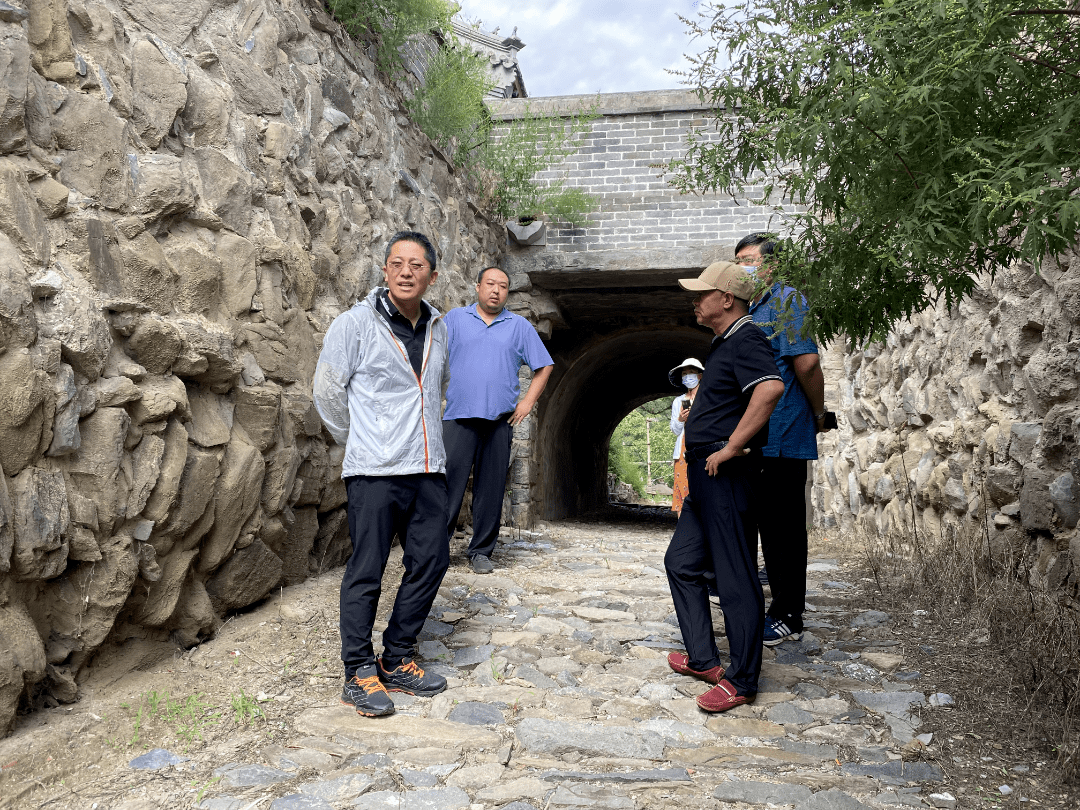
[(690, 380), (751, 270)]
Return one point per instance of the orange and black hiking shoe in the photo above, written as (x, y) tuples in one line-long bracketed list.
[(365, 693), (409, 678)]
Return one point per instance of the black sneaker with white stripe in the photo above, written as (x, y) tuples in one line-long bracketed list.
[(776, 632)]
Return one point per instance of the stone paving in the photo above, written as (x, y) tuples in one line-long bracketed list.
[(560, 697)]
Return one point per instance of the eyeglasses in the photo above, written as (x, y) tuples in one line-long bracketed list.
[(397, 265)]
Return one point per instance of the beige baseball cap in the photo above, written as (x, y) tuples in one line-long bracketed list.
[(723, 276)]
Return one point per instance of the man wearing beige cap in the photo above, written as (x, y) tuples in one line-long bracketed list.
[(725, 431)]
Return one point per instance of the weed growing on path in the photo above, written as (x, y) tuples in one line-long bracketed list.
[(158, 714), (245, 709)]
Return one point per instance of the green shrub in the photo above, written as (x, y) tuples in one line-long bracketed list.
[(620, 464), (392, 23), (449, 106), (529, 146)]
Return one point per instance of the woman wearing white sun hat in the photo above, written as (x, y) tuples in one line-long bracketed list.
[(686, 375)]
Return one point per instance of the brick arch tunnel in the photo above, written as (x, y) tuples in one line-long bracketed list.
[(615, 323), (595, 386)]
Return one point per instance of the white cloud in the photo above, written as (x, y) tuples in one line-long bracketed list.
[(592, 46)]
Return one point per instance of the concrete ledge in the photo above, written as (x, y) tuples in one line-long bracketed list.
[(647, 101), (596, 267)]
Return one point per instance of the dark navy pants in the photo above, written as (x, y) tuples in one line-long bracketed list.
[(414, 508), (716, 531), (480, 446), (781, 516)]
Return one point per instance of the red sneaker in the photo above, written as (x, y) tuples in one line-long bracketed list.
[(722, 697), (680, 662)]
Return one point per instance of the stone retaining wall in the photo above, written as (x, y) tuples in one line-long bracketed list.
[(189, 193), (972, 417)]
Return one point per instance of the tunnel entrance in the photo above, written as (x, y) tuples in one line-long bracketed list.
[(604, 294), (621, 323), (599, 384), (640, 464)]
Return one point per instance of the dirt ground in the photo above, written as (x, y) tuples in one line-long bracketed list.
[(220, 702), (233, 696)]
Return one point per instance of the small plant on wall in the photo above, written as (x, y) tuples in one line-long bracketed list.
[(449, 105), (392, 24), (531, 145)]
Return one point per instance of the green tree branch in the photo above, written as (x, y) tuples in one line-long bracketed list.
[(906, 146)]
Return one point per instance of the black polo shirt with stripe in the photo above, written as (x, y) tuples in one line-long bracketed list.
[(738, 360)]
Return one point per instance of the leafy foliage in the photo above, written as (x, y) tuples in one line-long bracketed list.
[(627, 449), (927, 141), (622, 466), (449, 105), (392, 23), (531, 145)]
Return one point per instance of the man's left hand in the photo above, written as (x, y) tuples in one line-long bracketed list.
[(819, 423), (713, 462), (520, 412)]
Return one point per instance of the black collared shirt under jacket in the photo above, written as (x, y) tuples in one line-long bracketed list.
[(403, 329), (738, 360)]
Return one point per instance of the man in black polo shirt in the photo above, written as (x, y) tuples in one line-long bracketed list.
[(728, 424)]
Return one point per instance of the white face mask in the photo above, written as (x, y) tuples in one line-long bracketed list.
[(751, 270), (690, 380)]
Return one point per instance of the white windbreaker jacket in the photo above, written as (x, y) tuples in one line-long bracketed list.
[(369, 397)]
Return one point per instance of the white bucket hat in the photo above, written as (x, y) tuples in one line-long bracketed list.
[(690, 362)]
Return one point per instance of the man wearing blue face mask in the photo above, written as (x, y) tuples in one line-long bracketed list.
[(793, 428)]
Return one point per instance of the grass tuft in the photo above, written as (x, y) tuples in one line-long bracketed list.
[(1002, 596)]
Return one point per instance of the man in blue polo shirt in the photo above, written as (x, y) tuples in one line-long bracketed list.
[(487, 347), (793, 428)]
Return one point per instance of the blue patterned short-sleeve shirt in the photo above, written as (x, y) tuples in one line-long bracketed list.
[(792, 431)]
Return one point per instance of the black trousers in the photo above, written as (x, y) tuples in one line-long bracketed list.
[(716, 532), (480, 446), (781, 513), (414, 508)]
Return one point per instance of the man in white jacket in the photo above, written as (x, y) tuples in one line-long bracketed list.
[(378, 387)]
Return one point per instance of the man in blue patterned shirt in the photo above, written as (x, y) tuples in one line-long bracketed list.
[(793, 428)]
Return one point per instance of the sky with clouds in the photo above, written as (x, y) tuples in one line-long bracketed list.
[(589, 46)]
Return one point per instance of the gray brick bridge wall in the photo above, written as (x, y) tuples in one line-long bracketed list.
[(605, 296), (620, 163)]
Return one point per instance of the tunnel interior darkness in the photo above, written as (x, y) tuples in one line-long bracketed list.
[(595, 385)]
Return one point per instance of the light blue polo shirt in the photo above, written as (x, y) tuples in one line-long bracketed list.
[(484, 362), (792, 431)]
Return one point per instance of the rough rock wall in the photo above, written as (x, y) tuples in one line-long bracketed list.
[(189, 193), (972, 417)]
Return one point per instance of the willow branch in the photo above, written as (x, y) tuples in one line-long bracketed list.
[(1048, 65), (1045, 12), (895, 154)]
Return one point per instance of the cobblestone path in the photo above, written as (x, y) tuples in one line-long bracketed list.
[(560, 697)]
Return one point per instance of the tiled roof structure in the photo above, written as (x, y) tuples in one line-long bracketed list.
[(502, 57)]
